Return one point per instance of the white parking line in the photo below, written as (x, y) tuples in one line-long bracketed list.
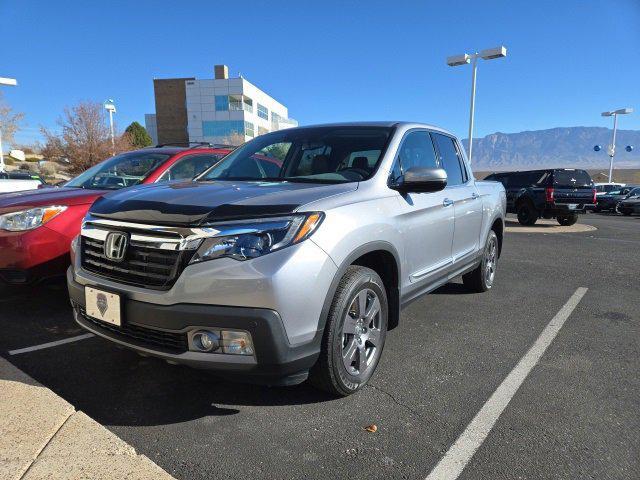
[(461, 452), (51, 344)]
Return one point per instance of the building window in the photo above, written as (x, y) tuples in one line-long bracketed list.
[(222, 103), (235, 102), (247, 104), (248, 129), (262, 130), (263, 112), (222, 128)]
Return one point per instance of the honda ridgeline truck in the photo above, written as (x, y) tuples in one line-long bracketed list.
[(292, 256)]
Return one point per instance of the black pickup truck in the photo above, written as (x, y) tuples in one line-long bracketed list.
[(560, 193)]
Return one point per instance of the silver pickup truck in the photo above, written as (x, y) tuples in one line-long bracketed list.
[(292, 257)]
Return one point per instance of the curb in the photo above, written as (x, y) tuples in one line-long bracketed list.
[(42, 436)]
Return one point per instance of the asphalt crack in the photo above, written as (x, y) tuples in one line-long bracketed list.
[(409, 408)]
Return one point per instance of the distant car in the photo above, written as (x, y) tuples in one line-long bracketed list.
[(631, 204), (606, 187), (560, 193), (36, 227), (18, 181), (609, 201)]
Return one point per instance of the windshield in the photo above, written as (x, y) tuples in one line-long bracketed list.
[(572, 178), (634, 193), (318, 155), (120, 171)]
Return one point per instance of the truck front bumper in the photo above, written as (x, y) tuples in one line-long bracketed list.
[(162, 330)]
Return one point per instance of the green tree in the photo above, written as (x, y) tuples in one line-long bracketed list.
[(138, 135)]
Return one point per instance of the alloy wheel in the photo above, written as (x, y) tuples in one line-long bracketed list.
[(490, 259), (361, 332)]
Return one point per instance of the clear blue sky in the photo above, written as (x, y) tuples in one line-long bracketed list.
[(568, 60)]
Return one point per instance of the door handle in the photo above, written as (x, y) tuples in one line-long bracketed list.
[(474, 195), (447, 202)]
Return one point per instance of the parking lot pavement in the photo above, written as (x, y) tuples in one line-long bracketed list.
[(574, 415)]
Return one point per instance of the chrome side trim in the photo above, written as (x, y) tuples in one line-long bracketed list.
[(431, 268)]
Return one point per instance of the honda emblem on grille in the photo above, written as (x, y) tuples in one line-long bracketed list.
[(115, 246)]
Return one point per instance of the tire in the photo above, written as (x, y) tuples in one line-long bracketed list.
[(567, 220), (481, 279), (527, 213), (346, 333)]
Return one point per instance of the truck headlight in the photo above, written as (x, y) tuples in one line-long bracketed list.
[(29, 219), (251, 239)]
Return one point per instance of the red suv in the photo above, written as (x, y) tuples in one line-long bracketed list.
[(37, 226)]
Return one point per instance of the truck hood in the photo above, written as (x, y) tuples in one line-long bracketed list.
[(195, 203), (11, 202)]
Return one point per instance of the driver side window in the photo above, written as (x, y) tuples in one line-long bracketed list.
[(416, 151)]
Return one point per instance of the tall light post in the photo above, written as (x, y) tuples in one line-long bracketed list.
[(110, 107), (465, 58), (611, 150), (12, 82)]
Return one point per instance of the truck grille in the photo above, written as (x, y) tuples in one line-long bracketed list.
[(143, 265), (141, 336)]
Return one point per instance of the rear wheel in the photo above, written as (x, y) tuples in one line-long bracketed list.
[(354, 334), (567, 220), (527, 214), (481, 279)]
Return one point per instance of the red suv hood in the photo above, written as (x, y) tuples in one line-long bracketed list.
[(11, 202)]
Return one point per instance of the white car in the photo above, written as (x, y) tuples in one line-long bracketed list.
[(18, 181), (606, 187)]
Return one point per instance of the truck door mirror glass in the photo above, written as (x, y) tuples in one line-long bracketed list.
[(421, 180)]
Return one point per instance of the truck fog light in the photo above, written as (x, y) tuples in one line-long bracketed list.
[(237, 343), (205, 341)]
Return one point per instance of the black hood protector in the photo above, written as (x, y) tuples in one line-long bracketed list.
[(197, 203)]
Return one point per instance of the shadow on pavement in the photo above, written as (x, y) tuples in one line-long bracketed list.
[(114, 385)]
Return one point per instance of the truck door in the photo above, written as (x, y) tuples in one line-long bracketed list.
[(462, 191), (426, 220)]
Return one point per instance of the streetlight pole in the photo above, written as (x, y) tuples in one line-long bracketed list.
[(110, 106), (473, 102), (612, 148), (464, 59), (9, 82)]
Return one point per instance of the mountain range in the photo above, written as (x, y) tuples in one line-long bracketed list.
[(555, 147)]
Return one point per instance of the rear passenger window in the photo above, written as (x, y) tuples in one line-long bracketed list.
[(450, 159), (189, 167), (417, 151)]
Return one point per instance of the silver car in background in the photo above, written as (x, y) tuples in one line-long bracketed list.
[(292, 257)]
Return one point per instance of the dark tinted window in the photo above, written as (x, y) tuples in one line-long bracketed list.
[(417, 151), (571, 178), (536, 178), (189, 167), (450, 159)]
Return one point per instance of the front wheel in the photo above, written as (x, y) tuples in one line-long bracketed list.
[(567, 220), (354, 335), (481, 279)]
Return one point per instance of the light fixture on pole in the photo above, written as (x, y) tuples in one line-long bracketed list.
[(611, 149), (110, 107), (12, 82), (465, 58)]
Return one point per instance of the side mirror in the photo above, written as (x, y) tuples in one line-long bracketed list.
[(421, 180)]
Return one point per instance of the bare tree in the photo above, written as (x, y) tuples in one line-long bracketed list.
[(9, 121), (84, 139)]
